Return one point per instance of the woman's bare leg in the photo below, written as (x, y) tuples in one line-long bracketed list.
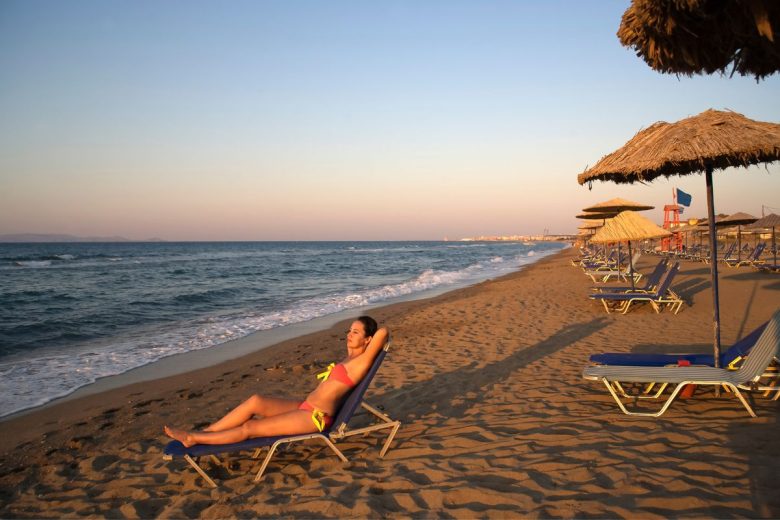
[(255, 405), (290, 423)]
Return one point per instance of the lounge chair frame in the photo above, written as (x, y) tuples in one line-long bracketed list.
[(747, 377), (338, 430), (752, 259), (663, 295), (339, 434)]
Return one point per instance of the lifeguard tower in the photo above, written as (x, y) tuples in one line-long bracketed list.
[(672, 222)]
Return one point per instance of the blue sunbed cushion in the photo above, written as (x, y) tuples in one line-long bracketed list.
[(177, 449), (740, 348)]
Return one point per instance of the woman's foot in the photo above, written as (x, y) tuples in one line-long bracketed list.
[(179, 435)]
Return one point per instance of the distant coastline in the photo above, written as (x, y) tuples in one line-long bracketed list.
[(42, 237), (519, 238)]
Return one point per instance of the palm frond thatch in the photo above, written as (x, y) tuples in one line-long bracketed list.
[(705, 36), (714, 138), (616, 205), (591, 225), (628, 225), (595, 216), (771, 220), (737, 219)]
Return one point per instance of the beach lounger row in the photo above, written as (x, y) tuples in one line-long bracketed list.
[(768, 267), (658, 296), (753, 259), (650, 283)]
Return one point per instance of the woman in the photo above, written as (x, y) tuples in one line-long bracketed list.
[(292, 417)]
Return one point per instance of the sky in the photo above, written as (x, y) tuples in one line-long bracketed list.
[(336, 120)]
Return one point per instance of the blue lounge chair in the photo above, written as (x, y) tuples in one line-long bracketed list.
[(605, 273), (768, 267), (651, 281), (729, 358), (337, 430), (604, 263), (751, 259), (747, 377), (663, 295), (727, 254)]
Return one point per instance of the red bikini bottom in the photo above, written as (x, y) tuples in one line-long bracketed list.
[(321, 419)]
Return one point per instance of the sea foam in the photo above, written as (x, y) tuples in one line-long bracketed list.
[(31, 380)]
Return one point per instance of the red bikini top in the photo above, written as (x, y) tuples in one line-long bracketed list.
[(337, 372)]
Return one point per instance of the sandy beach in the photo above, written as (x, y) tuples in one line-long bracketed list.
[(496, 419)]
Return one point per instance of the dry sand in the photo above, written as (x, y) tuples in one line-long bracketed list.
[(497, 420)]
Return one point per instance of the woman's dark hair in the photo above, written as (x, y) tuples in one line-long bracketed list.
[(369, 324)]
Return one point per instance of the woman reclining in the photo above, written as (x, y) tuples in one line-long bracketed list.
[(291, 416)]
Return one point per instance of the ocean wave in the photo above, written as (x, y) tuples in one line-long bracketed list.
[(27, 381), (33, 263)]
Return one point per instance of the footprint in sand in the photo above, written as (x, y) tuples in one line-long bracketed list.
[(147, 403)]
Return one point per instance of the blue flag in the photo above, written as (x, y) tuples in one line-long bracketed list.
[(683, 198)]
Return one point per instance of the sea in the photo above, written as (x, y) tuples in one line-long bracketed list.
[(73, 313)]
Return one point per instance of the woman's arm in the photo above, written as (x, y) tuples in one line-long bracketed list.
[(378, 342)]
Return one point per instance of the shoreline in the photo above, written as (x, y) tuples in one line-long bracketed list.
[(201, 364), (496, 419), (185, 362)]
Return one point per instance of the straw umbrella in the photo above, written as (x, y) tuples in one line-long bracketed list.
[(737, 219), (704, 36), (686, 228), (595, 216), (614, 206), (629, 226), (711, 140), (772, 220)]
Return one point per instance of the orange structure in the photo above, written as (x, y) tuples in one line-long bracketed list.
[(672, 222)]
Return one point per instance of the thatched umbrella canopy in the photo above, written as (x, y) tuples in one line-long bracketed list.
[(615, 206), (591, 225), (628, 226), (704, 36), (772, 220), (711, 140), (737, 219), (595, 216)]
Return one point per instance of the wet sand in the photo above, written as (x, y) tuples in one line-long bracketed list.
[(497, 420)]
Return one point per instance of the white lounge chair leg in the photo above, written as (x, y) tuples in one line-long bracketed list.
[(335, 449), (267, 459), (390, 439), (742, 398), (200, 471), (644, 414)]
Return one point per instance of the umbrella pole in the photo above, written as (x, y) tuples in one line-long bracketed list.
[(631, 267), (739, 243), (713, 268), (774, 244)]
